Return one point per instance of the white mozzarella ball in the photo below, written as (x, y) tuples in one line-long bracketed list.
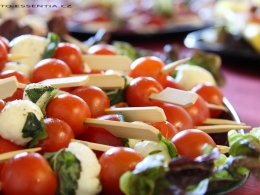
[(89, 182), (19, 66), (31, 45), (189, 76), (13, 118)]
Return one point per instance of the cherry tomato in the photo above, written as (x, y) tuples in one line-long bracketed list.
[(48, 69), (167, 129), (190, 142), (71, 109), (199, 111), (71, 55), (2, 104), (115, 162), (170, 82), (139, 90), (102, 49), (59, 135), (21, 77), (101, 135), (95, 97), (177, 116), (149, 66), (7, 146), (3, 55), (18, 95), (5, 42), (28, 173), (211, 94)]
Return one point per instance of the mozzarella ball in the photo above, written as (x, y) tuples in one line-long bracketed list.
[(89, 182), (13, 118), (189, 76)]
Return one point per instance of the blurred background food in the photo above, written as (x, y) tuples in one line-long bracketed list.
[(239, 18)]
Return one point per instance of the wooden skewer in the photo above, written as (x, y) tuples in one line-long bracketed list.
[(126, 129), (107, 62), (172, 66), (217, 121), (13, 57), (94, 146), (175, 96), (221, 128), (111, 81), (145, 114), (67, 81), (223, 149), (8, 86), (217, 107), (9, 155)]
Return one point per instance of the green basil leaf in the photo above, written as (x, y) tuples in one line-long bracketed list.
[(34, 128), (67, 167), (171, 148), (54, 40), (155, 152), (34, 94), (117, 95)]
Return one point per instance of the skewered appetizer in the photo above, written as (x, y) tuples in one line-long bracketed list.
[(120, 151)]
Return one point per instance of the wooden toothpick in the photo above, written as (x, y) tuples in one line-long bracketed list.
[(221, 128), (175, 96), (8, 86), (107, 62), (9, 155), (126, 129), (172, 66), (217, 121), (94, 146), (145, 114)]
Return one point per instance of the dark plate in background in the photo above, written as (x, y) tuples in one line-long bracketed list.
[(234, 48), (128, 35)]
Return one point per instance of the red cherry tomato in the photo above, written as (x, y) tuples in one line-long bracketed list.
[(101, 135), (190, 142), (59, 135), (170, 82), (48, 69), (3, 55), (21, 77), (139, 90), (167, 129), (18, 95), (5, 42), (28, 173), (7, 146), (199, 111), (211, 94), (115, 162), (95, 97), (149, 66), (71, 55), (2, 104), (178, 116), (102, 49), (71, 109)]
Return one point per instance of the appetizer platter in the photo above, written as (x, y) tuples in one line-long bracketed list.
[(104, 119)]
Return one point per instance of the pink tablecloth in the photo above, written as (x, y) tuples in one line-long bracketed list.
[(242, 89)]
